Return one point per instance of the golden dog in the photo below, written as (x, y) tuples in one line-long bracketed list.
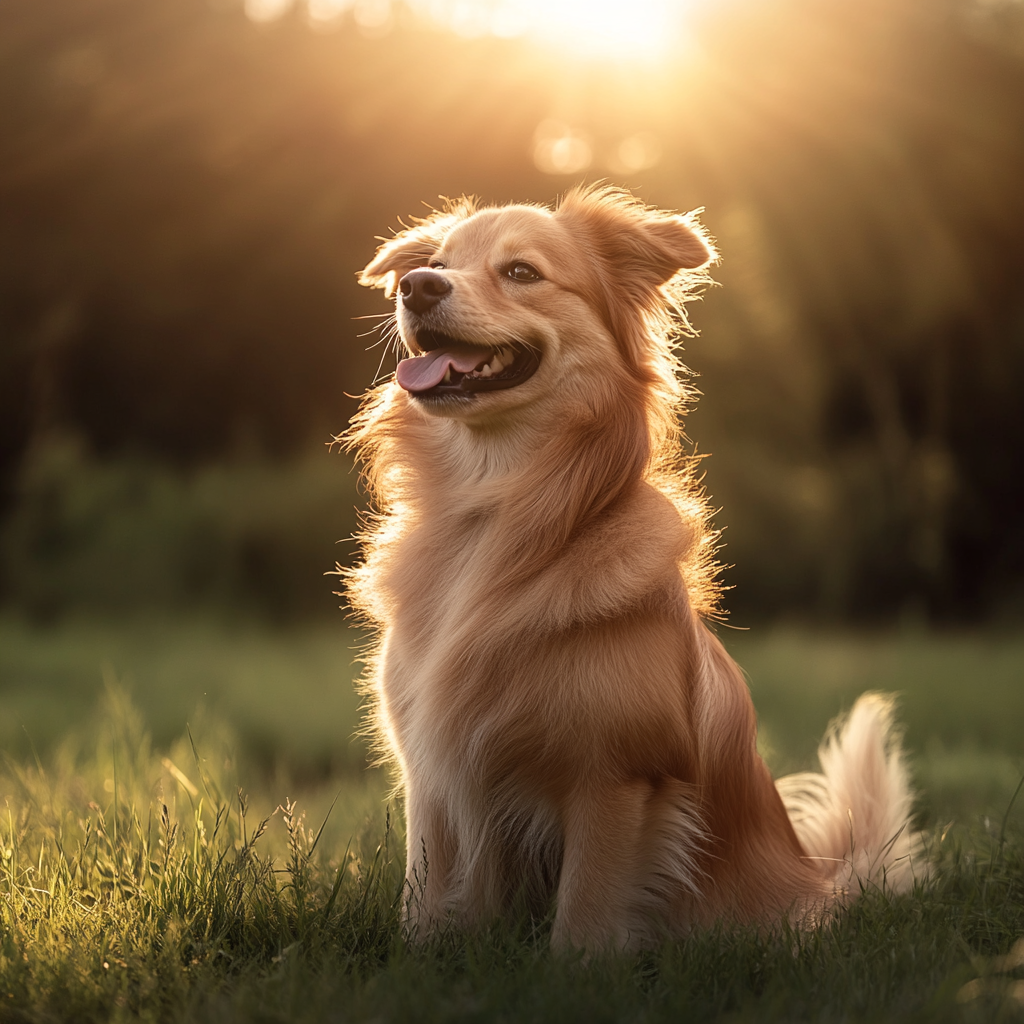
[(539, 567)]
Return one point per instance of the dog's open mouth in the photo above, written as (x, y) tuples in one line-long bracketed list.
[(449, 366)]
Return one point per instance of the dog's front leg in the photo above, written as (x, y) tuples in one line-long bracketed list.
[(603, 827), (429, 856)]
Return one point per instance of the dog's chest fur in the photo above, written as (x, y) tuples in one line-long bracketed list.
[(487, 669)]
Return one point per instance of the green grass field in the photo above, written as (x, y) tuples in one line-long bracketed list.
[(137, 882)]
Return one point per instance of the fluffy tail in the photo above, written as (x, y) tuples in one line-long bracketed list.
[(854, 818)]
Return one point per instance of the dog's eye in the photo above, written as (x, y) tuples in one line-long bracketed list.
[(436, 265), (523, 272)]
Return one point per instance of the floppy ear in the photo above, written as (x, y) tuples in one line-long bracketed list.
[(648, 260), (663, 245), (643, 245), (412, 247)]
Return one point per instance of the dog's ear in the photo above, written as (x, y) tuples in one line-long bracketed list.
[(647, 261), (639, 245), (661, 246), (412, 247)]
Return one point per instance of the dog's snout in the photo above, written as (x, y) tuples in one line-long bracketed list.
[(422, 289)]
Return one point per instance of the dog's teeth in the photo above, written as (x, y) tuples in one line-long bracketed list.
[(486, 371), (448, 376)]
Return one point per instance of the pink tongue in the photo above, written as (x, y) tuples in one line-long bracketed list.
[(426, 371)]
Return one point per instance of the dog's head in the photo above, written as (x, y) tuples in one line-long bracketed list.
[(508, 306)]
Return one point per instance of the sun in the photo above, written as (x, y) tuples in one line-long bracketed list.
[(637, 29), (620, 30), (607, 28)]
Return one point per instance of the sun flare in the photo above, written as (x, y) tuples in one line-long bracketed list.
[(604, 28), (608, 29)]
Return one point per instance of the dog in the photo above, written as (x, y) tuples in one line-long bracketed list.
[(540, 570)]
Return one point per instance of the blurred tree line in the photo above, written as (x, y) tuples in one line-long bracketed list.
[(186, 194)]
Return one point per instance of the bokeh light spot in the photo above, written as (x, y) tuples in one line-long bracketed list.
[(267, 10), (326, 12), (374, 17), (639, 152), (470, 20), (560, 149)]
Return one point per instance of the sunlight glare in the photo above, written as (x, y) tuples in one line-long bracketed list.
[(602, 28)]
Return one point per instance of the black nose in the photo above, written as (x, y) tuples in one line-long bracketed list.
[(422, 289)]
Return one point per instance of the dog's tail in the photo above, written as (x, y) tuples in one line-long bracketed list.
[(853, 819)]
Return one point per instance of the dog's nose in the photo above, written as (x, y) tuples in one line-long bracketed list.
[(422, 289)]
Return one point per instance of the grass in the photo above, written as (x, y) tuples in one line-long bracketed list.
[(288, 695), (172, 879), (961, 698)]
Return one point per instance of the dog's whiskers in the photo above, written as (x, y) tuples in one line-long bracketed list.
[(387, 330), (391, 338), (380, 366)]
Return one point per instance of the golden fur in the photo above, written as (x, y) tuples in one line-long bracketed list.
[(539, 567)]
